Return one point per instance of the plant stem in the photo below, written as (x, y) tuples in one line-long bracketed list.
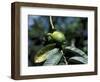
[(51, 22), (64, 58)]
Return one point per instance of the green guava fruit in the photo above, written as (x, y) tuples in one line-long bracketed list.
[(57, 36)]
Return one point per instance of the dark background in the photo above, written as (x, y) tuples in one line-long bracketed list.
[(72, 27)]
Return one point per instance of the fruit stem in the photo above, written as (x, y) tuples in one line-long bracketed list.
[(51, 22)]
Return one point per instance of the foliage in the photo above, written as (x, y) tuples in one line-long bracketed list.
[(45, 47)]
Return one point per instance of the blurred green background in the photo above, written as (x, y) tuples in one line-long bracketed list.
[(73, 28)]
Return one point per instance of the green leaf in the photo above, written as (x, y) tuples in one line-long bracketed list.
[(42, 54), (77, 60), (54, 57), (74, 51)]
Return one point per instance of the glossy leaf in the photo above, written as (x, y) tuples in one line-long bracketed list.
[(77, 60), (75, 51), (43, 53), (54, 57)]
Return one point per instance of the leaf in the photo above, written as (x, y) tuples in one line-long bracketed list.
[(77, 60), (74, 52), (54, 57), (43, 53)]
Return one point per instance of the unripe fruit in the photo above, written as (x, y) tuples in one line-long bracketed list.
[(58, 36)]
